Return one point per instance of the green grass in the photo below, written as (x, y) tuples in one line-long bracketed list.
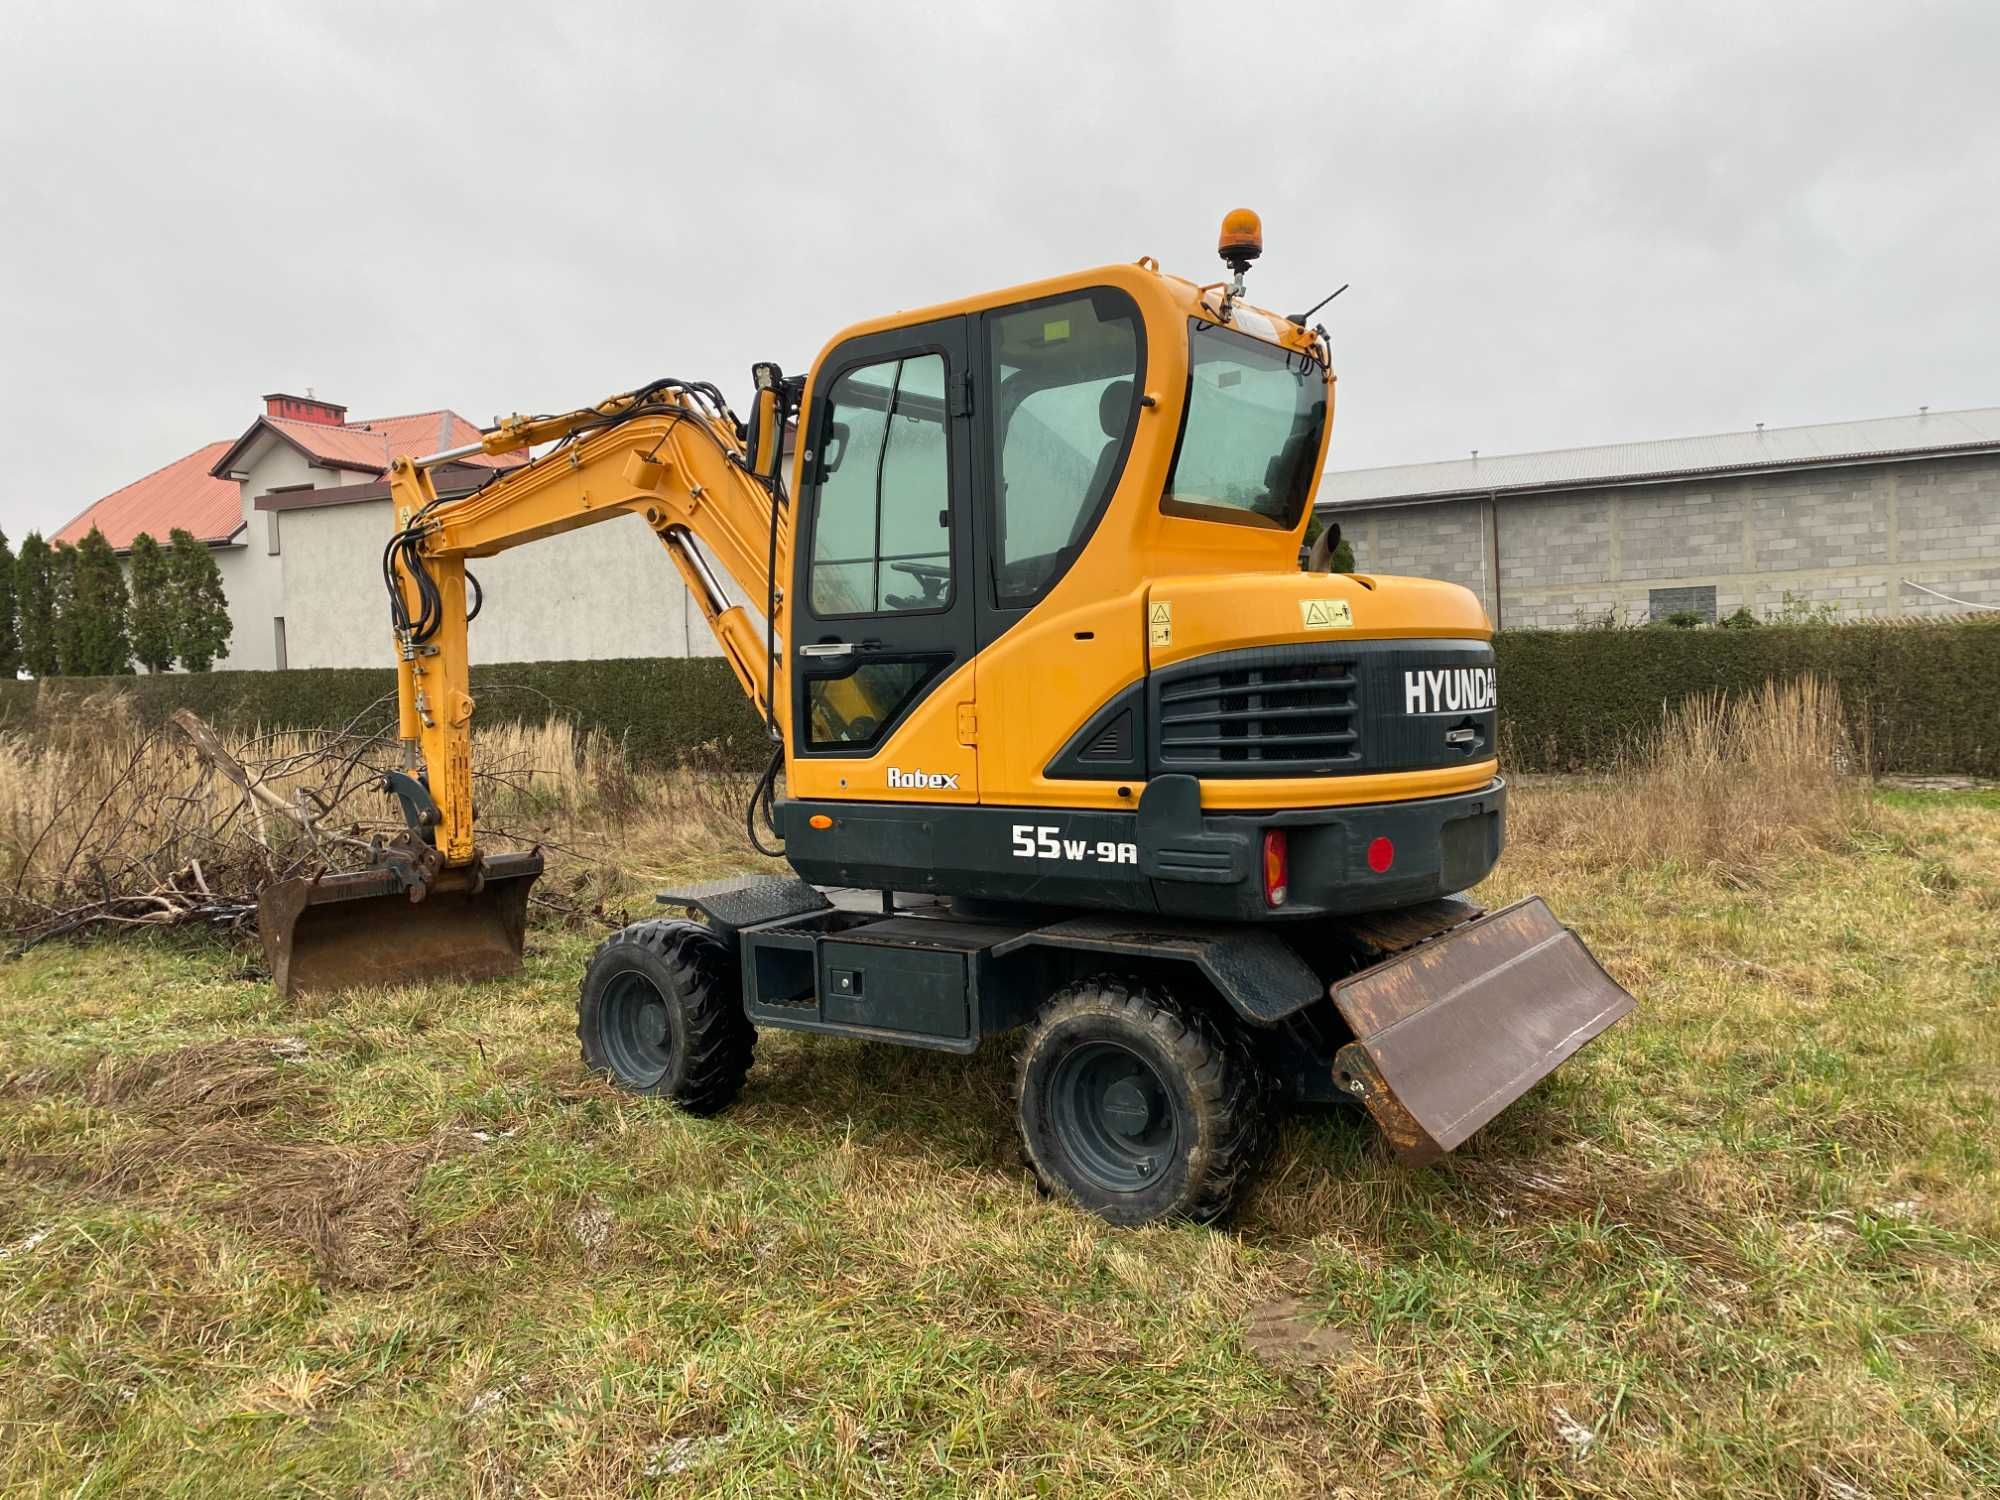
[(1747, 1243)]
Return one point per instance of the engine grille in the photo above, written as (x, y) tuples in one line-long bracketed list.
[(1256, 713)]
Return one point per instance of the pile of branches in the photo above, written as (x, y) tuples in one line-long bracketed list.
[(170, 828)]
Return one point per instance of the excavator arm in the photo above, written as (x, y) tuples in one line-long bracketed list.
[(669, 452), (665, 454)]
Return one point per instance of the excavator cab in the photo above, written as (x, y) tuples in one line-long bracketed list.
[(1069, 742)]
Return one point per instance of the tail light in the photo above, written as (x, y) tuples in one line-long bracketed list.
[(1381, 855), (1277, 867)]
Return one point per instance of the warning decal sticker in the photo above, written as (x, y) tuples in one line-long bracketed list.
[(1326, 614), (1160, 624)]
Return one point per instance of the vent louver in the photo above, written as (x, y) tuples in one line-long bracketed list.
[(1260, 718)]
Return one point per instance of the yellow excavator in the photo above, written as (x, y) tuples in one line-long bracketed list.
[(1069, 740)]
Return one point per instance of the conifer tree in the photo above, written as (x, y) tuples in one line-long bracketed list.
[(62, 590), (10, 630), (36, 601), (98, 600), (151, 616), (200, 609)]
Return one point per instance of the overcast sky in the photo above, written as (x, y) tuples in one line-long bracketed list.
[(1564, 223)]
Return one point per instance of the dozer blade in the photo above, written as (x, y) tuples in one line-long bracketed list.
[(1450, 1033), (363, 928)]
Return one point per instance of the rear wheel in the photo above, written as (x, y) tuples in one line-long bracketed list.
[(659, 1011), (1138, 1107)]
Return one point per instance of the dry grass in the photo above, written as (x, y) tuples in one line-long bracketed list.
[(1747, 1243), (93, 807), (1728, 784)]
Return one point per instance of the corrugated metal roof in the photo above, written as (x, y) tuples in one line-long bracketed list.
[(1669, 458), (344, 446), (191, 493), (183, 494), (367, 446)]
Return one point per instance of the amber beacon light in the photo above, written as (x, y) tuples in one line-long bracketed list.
[(1241, 240)]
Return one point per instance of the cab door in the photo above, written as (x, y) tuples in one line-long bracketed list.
[(882, 636)]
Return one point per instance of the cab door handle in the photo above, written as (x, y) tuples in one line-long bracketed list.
[(828, 648)]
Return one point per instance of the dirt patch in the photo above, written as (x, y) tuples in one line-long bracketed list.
[(1291, 1333), (205, 1082)]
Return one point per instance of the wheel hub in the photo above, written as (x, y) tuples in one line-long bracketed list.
[(1127, 1109), (637, 1035), (1113, 1116)]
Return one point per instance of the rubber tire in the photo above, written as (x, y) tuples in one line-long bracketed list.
[(1212, 1082), (694, 971)]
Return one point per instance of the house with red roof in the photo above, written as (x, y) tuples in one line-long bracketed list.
[(296, 510)]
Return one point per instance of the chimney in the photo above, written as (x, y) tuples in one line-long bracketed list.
[(304, 409)]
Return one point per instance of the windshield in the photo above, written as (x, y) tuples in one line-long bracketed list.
[(1251, 434)]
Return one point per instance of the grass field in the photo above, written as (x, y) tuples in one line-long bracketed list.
[(1747, 1243)]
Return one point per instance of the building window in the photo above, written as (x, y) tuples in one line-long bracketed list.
[(1675, 605), (278, 638)]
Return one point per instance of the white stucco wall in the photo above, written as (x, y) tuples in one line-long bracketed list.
[(608, 590), (252, 579)]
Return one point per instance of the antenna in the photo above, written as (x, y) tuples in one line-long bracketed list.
[(1300, 319)]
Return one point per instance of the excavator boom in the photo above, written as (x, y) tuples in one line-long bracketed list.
[(437, 905)]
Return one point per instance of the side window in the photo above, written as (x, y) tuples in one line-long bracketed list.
[(849, 712), (882, 528), (1064, 374)]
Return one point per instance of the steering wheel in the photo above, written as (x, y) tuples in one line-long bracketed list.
[(932, 576)]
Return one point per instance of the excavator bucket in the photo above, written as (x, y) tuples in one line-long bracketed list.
[(1451, 1032), (364, 928)]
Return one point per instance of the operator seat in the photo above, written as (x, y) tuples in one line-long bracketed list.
[(1114, 414)]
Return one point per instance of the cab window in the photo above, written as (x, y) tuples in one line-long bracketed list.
[(1065, 380), (1251, 433), (882, 528)]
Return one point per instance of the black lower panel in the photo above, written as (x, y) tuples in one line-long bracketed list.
[(918, 990), (918, 979), (1038, 856), (1165, 857)]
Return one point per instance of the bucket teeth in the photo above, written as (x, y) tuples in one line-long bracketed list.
[(366, 928)]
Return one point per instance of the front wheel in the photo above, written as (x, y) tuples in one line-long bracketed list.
[(1138, 1107), (659, 1010)]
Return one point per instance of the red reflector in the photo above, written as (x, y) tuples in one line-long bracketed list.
[(1381, 855), (1277, 867)]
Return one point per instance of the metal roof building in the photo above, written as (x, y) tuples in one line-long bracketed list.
[(1891, 515)]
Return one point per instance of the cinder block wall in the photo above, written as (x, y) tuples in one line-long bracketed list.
[(1848, 536)]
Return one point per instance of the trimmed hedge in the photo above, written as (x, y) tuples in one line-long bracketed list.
[(662, 708), (1928, 694)]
